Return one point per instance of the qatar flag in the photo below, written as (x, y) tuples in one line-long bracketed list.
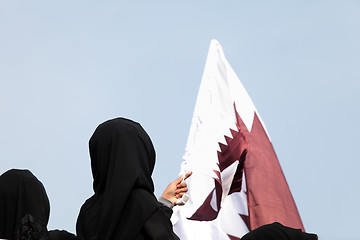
[(237, 183)]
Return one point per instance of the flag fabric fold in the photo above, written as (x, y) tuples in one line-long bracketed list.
[(237, 183)]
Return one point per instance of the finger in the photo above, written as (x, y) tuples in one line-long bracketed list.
[(188, 174), (179, 180), (183, 190), (181, 185)]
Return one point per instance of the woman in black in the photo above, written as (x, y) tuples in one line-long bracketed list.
[(123, 205), (25, 208), (277, 231)]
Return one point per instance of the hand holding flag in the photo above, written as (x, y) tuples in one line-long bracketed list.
[(176, 189)]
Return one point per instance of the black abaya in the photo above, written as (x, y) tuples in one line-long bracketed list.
[(158, 225), (123, 204)]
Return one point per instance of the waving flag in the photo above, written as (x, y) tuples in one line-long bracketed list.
[(237, 183)]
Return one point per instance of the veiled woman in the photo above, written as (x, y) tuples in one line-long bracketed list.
[(25, 208), (277, 231), (123, 205)]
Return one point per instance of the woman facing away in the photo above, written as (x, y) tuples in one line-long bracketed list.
[(124, 205), (25, 208), (277, 231)]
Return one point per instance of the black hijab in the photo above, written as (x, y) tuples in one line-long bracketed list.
[(277, 231), (122, 161), (24, 206), (61, 235)]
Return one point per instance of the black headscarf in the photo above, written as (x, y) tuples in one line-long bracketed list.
[(24, 206), (122, 161), (61, 235), (277, 231)]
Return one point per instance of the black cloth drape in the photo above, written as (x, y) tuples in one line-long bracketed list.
[(122, 161), (277, 231), (24, 206)]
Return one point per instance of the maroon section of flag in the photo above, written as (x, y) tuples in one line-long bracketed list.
[(233, 238), (268, 194)]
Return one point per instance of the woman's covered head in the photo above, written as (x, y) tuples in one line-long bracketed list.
[(121, 151), (24, 206)]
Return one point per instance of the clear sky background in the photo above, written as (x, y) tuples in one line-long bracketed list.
[(66, 66)]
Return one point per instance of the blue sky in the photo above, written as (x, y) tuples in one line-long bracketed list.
[(67, 66)]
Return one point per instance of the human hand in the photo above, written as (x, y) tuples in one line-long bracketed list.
[(176, 189)]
